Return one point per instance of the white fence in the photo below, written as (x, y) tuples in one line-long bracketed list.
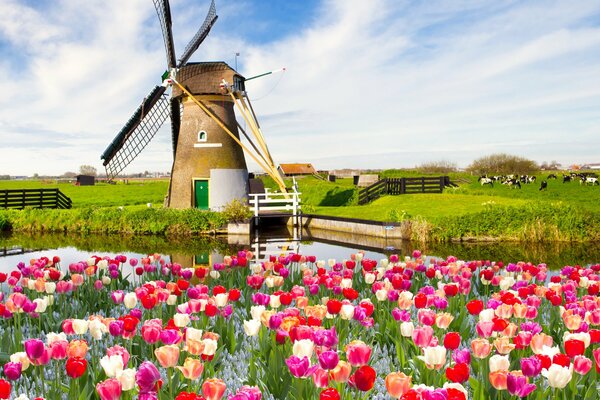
[(279, 202)]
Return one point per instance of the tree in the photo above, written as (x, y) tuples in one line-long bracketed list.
[(69, 174), (502, 164), (87, 170)]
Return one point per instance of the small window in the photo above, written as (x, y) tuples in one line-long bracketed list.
[(202, 136)]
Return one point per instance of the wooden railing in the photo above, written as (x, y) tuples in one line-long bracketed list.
[(396, 186), (36, 198)]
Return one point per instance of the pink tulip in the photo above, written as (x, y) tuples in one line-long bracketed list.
[(118, 350), (422, 336), (58, 350), (582, 365), (12, 370), (151, 330), (358, 353), (110, 389)]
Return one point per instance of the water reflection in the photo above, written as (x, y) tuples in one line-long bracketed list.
[(207, 250)]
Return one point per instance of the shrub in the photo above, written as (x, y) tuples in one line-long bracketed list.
[(237, 211), (502, 164)]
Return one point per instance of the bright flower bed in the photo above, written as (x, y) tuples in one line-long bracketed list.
[(296, 328)]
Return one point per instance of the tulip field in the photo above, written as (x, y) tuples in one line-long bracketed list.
[(294, 327)]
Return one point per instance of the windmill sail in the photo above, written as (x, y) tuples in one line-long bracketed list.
[(199, 37), (137, 132), (164, 15)]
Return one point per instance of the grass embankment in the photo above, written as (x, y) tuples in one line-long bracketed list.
[(136, 192), (104, 208), (564, 212)]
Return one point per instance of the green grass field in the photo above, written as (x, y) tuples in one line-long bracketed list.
[(136, 192)]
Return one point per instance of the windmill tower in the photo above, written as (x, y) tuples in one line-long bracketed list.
[(209, 169)]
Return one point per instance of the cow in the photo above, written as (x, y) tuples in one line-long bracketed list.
[(484, 180), (514, 183), (552, 176), (543, 185), (566, 178), (589, 180)]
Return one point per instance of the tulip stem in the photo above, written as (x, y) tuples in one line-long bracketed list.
[(170, 380)]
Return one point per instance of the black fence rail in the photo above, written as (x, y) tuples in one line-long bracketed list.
[(396, 186), (36, 198)]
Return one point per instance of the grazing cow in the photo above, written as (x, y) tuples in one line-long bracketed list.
[(544, 185), (552, 176), (566, 178), (589, 180), (513, 183), (484, 180)]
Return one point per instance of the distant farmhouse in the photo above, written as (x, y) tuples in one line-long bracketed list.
[(591, 166), (297, 169)]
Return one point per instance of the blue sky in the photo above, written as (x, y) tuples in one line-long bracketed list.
[(369, 84)]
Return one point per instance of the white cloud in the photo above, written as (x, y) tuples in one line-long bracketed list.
[(372, 84)]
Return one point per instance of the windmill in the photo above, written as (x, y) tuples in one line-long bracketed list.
[(209, 169)]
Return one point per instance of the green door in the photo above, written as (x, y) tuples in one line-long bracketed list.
[(201, 194)]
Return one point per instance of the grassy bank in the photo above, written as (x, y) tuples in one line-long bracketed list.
[(563, 212), (130, 220), (135, 192)]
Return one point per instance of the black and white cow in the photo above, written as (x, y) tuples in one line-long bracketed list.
[(543, 185)]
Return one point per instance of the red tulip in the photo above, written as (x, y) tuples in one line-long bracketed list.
[(562, 360), (574, 347), (334, 306), (76, 366), (459, 373), (350, 294), (420, 300), (234, 294), (329, 394), (452, 340), (450, 290), (364, 378), (475, 307), (4, 389)]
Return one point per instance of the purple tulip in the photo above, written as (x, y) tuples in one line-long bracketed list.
[(531, 366), (329, 359), (116, 328), (518, 386), (146, 377), (34, 348), (12, 370), (300, 367)]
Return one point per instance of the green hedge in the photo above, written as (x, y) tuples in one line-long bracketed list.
[(130, 220)]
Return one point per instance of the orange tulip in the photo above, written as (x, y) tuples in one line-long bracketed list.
[(194, 346), (192, 368), (213, 389), (539, 340), (572, 321), (481, 348), (341, 372), (168, 356), (77, 348), (289, 322), (397, 383), (443, 320), (510, 330), (77, 279), (498, 379), (211, 335), (504, 345), (504, 311)]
